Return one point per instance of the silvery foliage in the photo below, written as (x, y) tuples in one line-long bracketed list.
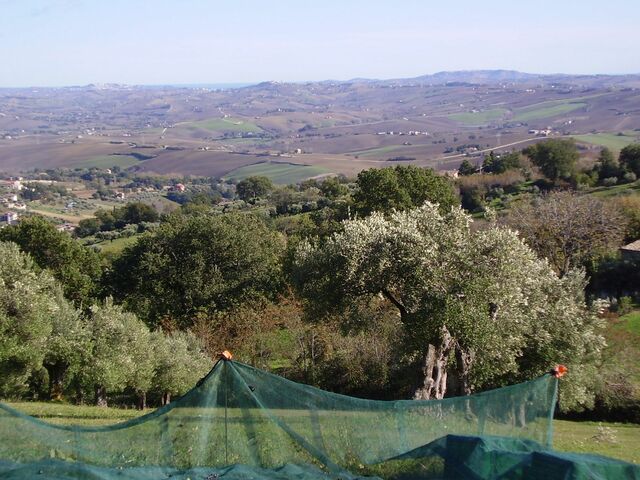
[(494, 295), (30, 303)]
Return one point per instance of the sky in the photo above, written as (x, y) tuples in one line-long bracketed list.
[(77, 42)]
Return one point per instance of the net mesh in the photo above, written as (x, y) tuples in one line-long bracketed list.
[(240, 422)]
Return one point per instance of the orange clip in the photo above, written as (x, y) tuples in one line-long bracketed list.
[(559, 371), (226, 355)]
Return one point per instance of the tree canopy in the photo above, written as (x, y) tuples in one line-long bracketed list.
[(401, 188), (568, 229), (198, 264), (29, 298), (75, 266), (466, 168), (483, 298), (630, 158), (252, 188), (556, 158)]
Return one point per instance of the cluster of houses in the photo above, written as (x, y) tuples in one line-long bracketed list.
[(9, 200), (541, 133), (412, 133)]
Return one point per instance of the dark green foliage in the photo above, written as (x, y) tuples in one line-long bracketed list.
[(88, 227), (401, 188), (473, 198), (556, 158), (198, 264), (252, 188), (332, 188), (133, 213), (75, 266), (466, 168), (607, 166), (630, 158), (500, 163)]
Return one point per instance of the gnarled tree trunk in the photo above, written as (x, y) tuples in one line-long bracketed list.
[(166, 398), (435, 368), (101, 396), (464, 362)]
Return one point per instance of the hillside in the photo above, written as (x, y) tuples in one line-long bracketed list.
[(329, 127)]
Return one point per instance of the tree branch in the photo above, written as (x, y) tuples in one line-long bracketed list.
[(396, 302)]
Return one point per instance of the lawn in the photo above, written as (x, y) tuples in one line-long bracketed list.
[(615, 440), (279, 173), (612, 141), (478, 118), (546, 110), (226, 125)]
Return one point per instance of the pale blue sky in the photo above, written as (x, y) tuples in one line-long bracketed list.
[(74, 42)]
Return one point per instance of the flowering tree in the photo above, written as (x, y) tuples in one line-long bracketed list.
[(477, 306)]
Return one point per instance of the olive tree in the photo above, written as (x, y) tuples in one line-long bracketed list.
[(29, 298), (181, 362), (67, 344), (477, 306), (116, 357)]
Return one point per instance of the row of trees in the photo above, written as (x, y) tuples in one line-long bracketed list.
[(49, 346)]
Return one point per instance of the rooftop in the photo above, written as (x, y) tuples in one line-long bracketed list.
[(633, 246)]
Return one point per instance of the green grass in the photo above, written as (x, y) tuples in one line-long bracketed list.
[(478, 118), (65, 414), (114, 247), (108, 161), (617, 440), (612, 141), (631, 322), (546, 110), (226, 125), (279, 173), (616, 190)]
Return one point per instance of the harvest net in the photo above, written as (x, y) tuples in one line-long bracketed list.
[(244, 423)]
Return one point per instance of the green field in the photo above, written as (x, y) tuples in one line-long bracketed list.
[(226, 125), (546, 110), (616, 440), (108, 161), (478, 118), (376, 152), (279, 173), (612, 141)]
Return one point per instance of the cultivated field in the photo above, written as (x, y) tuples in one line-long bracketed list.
[(429, 121)]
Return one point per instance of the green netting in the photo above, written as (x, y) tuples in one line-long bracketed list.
[(240, 422)]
